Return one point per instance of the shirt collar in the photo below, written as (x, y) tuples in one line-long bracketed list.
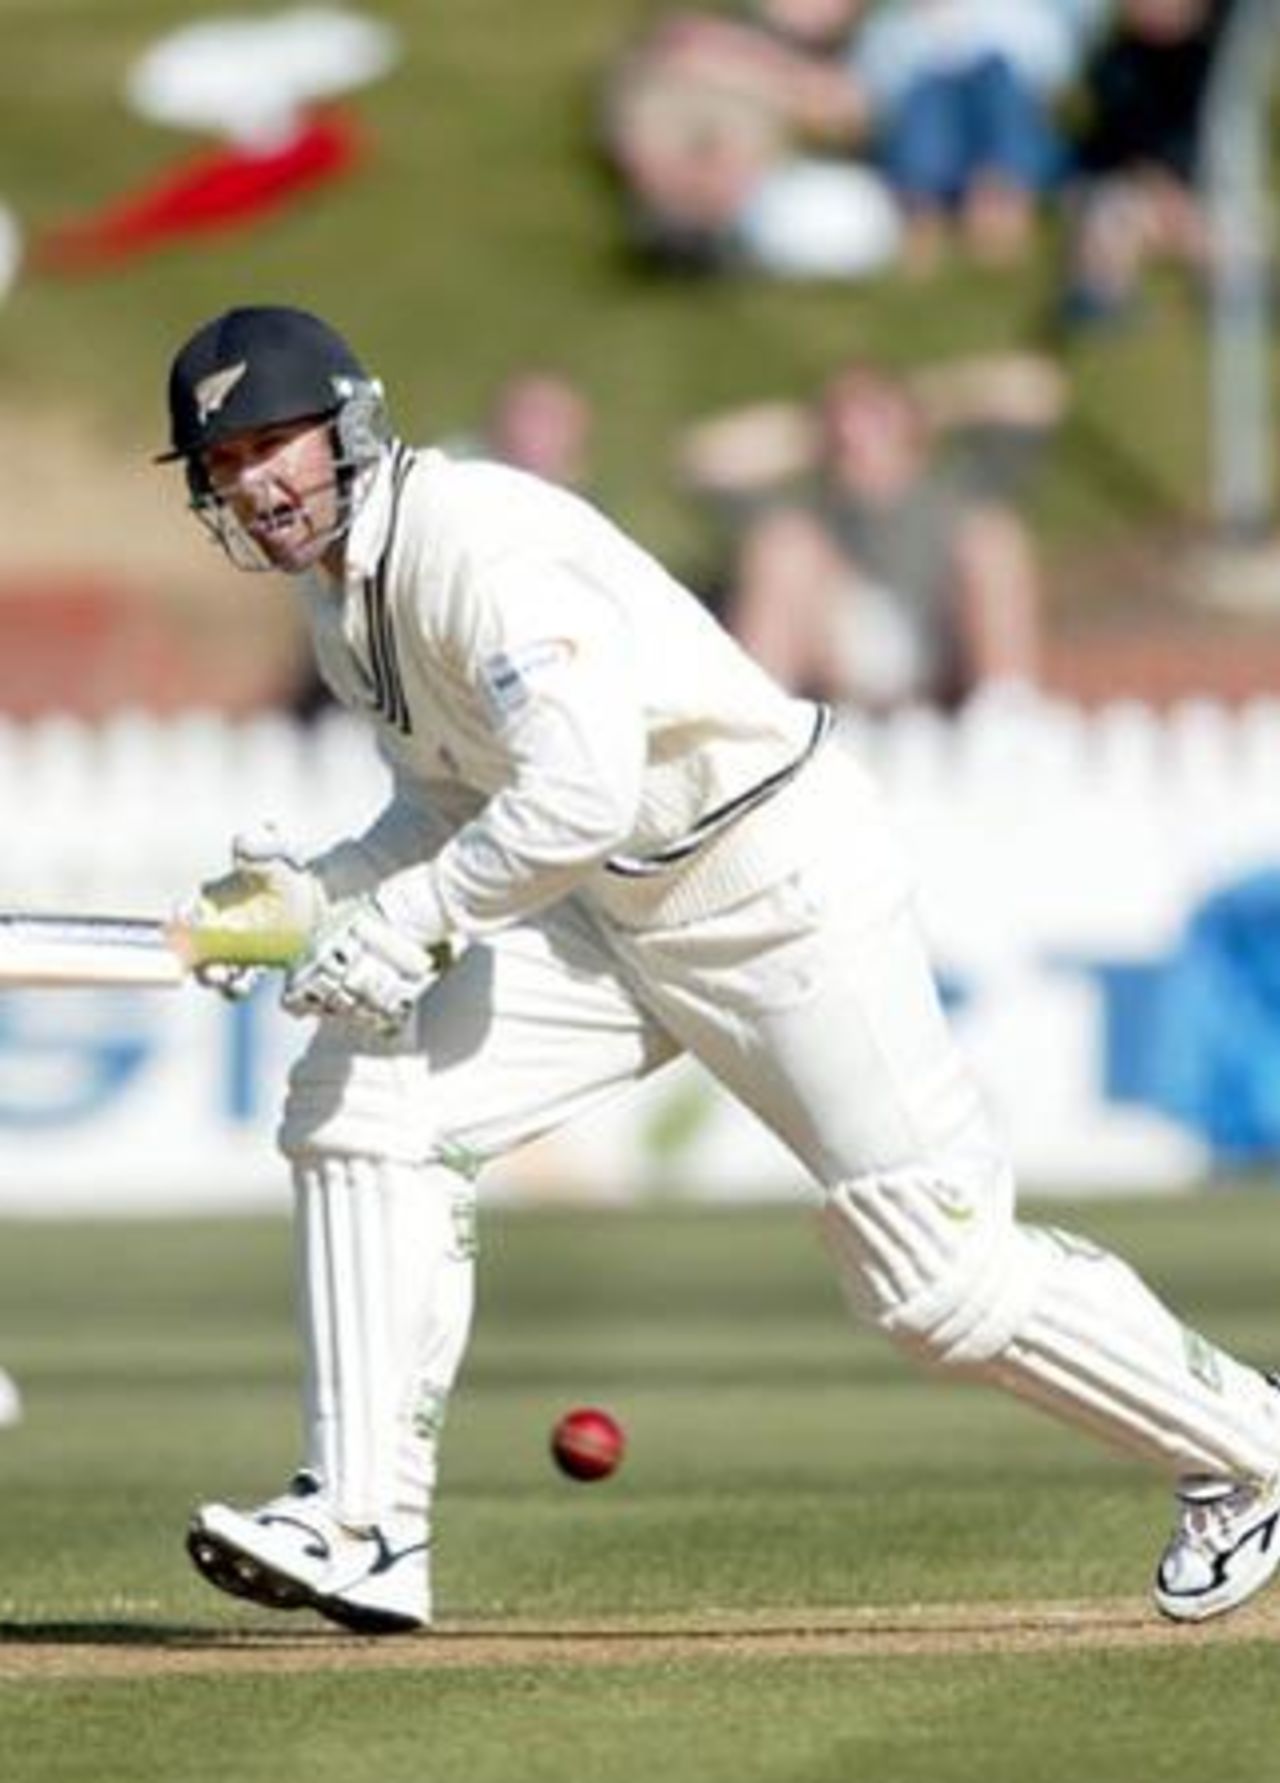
[(371, 523)]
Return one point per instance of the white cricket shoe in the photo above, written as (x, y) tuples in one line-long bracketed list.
[(292, 1553), (1226, 1546)]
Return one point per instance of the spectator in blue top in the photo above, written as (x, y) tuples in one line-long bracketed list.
[(962, 94)]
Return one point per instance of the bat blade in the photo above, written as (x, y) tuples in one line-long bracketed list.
[(38, 949), (47, 950)]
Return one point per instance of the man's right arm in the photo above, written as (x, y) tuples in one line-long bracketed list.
[(403, 834)]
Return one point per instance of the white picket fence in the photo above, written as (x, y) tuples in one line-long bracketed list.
[(1072, 806), (133, 813), (1038, 823), (1044, 837)]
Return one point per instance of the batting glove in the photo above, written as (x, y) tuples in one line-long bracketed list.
[(362, 967), (268, 893), (235, 983)]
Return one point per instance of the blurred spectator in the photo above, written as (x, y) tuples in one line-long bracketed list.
[(1134, 196), (1085, 19), (540, 421), (734, 136), (895, 575), (962, 95), (991, 413)]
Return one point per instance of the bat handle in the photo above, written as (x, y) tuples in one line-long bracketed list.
[(209, 943)]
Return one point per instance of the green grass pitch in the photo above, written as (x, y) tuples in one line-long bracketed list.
[(816, 1564)]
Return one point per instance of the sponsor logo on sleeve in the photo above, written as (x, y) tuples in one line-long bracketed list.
[(506, 676)]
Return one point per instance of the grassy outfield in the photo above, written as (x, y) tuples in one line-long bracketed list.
[(815, 1564), (483, 233)]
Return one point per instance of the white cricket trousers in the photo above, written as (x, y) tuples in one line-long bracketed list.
[(814, 1004)]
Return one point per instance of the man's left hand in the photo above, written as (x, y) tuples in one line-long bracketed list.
[(361, 967)]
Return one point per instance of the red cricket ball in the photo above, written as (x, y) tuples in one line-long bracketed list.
[(587, 1443)]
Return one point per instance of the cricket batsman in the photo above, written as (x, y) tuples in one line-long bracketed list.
[(611, 839)]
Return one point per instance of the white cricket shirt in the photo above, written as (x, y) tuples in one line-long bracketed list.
[(552, 702)]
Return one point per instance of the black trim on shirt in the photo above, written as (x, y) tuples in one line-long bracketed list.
[(384, 657), (633, 866)]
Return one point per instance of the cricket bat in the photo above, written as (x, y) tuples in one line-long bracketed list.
[(41, 949)]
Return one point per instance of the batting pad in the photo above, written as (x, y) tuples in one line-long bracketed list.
[(930, 1256), (385, 1273), (1100, 1350), (935, 1259)]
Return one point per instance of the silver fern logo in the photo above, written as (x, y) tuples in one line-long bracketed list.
[(213, 391)]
